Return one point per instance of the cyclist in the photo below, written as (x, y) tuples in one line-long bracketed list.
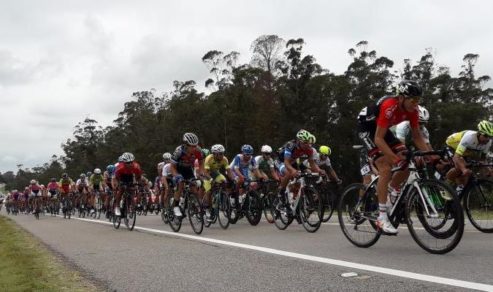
[(96, 183), (245, 169), (166, 179), (266, 165), (182, 166), (289, 154), (127, 173), (465, 145), (35, 192), (384, 148), (322, 159), (217, 168), (108, 175)]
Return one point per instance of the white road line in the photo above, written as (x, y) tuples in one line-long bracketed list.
[(369, 268)]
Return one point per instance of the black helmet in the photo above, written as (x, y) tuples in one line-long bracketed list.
[(408, 88)]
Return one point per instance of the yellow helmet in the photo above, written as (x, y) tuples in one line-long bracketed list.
[(325, 150)]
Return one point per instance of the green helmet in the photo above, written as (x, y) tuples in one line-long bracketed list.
[(205, 152), (303, 135), (325, 150), (486, 128), (312, 139)]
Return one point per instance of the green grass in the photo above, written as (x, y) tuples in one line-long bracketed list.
[(26, 265)]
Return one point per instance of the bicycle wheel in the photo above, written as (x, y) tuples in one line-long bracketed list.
[(223, 210), (357, 216), (116, 221), (99, 207), (267, 206), (282, 218), (195, 214), (252, 208), (235, 208), (173, 221), (328, 204), (310, 209), (478, 202), (130, 214), (436, 232)]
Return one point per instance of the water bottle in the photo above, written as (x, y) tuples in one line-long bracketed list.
[(182, 202)]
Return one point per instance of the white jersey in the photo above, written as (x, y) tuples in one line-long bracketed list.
[(318, 161), (403, 133), (82, 182), (166, 170)]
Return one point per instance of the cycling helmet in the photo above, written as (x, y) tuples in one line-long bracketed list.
[(97, 171), (190, 139), (53, 179), (408, 88), (110, 168), (247, 149), (324, 150), (266, 149), (33, 181), (303, 135), (312, 139), (82, 175), (218, 148), (64, 175), (120, 158), (167, 156), (486, 128), (424, 115), (205, 152), (88, 174), (127, 157)]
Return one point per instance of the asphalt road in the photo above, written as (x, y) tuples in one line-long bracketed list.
[(246, 258)]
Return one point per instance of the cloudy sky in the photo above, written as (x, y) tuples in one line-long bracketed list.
[(62, 61)]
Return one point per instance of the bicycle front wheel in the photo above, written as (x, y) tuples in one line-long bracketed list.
[(357, 212), (478, 202), (434, 217), (253, 209), (130, 215), (310, 209), (195, 214), (224, 210)]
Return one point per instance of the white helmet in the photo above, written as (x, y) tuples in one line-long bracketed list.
[(97, 171), (167, 156), (190, 139), (217, 148), (127, 157), (266, 149), (424, 115)]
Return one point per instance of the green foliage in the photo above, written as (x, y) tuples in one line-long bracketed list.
[(266, 102)]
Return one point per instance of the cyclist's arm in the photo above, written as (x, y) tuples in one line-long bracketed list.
[(382, 145), (419, 141)]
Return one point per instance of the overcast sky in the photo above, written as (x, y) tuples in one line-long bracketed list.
[(63, 61)]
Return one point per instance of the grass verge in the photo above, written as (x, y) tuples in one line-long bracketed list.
[(27, 265)]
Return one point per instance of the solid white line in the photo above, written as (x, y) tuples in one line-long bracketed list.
[(369, 268)]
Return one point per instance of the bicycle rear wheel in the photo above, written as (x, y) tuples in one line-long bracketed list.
[(195, 214), (267, 206), (310, 209), (280, 212), (436, 232), (357, 217), (478, 202)]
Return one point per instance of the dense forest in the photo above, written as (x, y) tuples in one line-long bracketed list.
[(267, 101)]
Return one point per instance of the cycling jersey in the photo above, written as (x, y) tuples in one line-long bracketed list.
[(403, 132), (292, 150), (52, 186), (81, 183), (265, 165), (245, 167), (183, 159), (466, 143), (126, 174), (215, 167), (321, 163), (96, 179), (166, 170)]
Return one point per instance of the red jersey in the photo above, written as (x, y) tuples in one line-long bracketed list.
[(125, 173), (391, 114), (52, 186)]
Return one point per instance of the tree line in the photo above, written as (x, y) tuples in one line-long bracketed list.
[(266, 101)]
